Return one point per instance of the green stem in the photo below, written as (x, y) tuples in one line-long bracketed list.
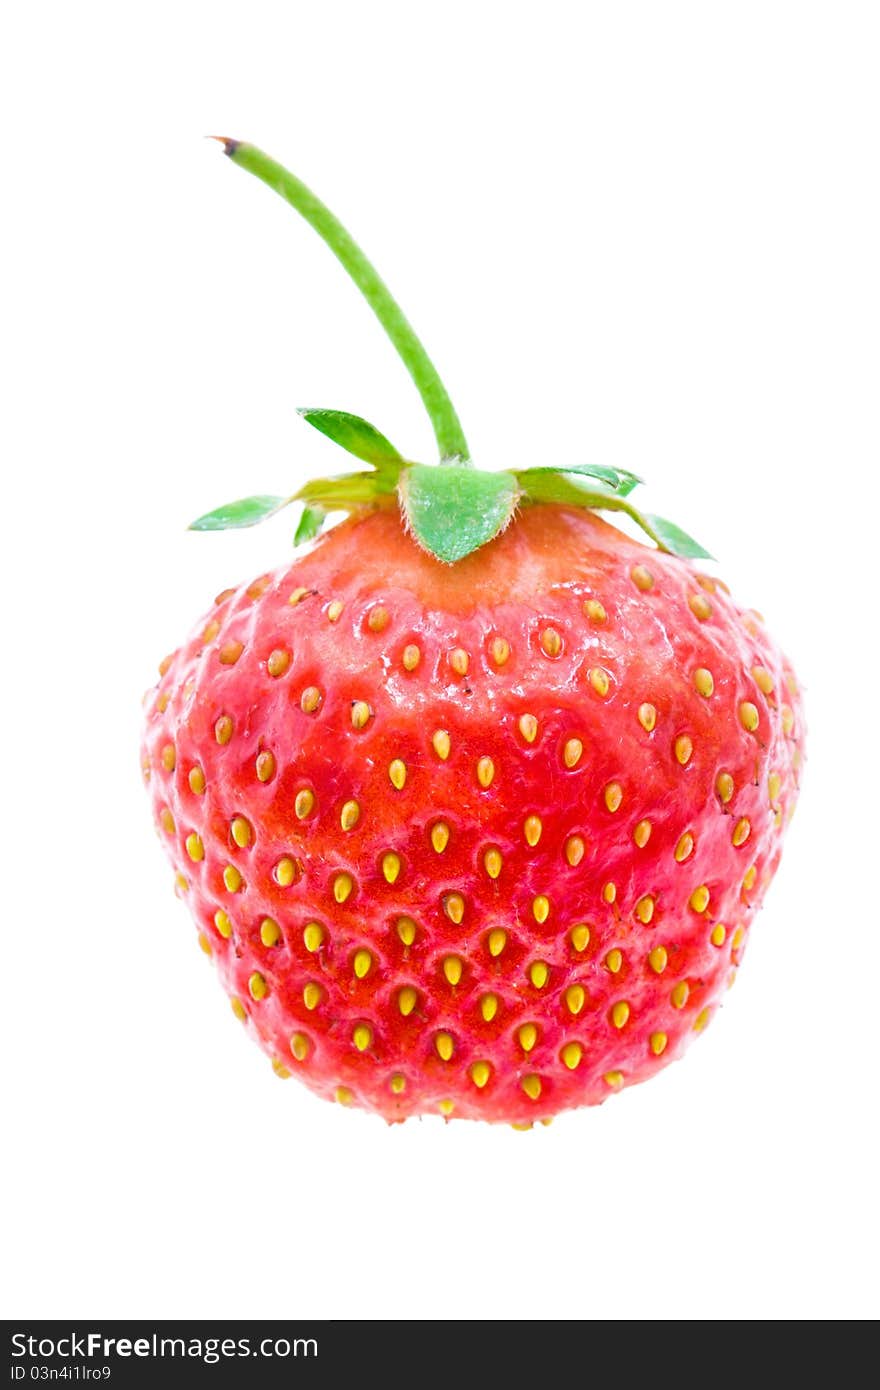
[(447, 427)]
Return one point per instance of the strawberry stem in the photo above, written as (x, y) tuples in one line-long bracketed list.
[(447, 427)]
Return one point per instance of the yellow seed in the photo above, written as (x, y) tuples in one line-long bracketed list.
[(398, 1084), (391, 866), (362, 1037), (489, 1007), (492, 862), (205, 944), (642, 578), (572, 752), (284, 872), (685, 847), (541, 908), (647, 717), (525, 1127), (684, 749), (599, 680), (699, 899), (257, 986), (658, 1043), (297, 596), (571, 1055), (440, 836), (441, 744), (334, 611), (304, 804), (532, 828), (551, 642), (620, 1013), (223, 924), (580, 937), (265, 766), (230, 652), (499, 650), (397, 773), (724, 787), (350, 815), (313, 936), (763, 679), (169, 757), (453, 906), (528, 727), (748, 716), (497, 941), (446, 1107), (241, 831), (749, 878), (343, 885), (741, 831), (378, 618), (680, 994), (485, 772), (704, 682), (163, 701), (787, 720), (280, 1069), (774, 787), (310, 699), (343, 1095), (196, 780), (278, 662), (614, 1079), (452, 968), (594, 610), (480, 1073), (614, 961), (532, 1086), (609, 892), (642, 833), (165, 663), (406, 930), (613, 796), (223, 729), (574, 850), (658, 959), (719, 935), (361, 963), (232, 878), (700, 607), (445, 1046), (360, 714), (238, 1009), (299, 1046), (645, 909), (411, 657), (575, 998), (459, 661), (194, 847), (270, 932), (210, 632), (701, 1020), (407, 1000), (527, 1036), (312, 995), (737, 939), (539, 973)]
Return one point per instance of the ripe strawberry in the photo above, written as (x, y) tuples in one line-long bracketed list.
[(472, 830)]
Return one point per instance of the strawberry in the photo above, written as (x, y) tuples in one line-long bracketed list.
[(474, 803)]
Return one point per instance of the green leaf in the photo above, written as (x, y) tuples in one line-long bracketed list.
[(310, 524), (453, 511), (355, 435), (672, 538), (620, 479), (246, 512)]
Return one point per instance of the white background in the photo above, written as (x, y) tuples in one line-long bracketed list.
[(639, 234)]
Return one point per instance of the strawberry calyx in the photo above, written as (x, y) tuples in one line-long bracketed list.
[(451, 509)]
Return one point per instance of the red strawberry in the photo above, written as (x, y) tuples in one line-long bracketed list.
[(484, 837)]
